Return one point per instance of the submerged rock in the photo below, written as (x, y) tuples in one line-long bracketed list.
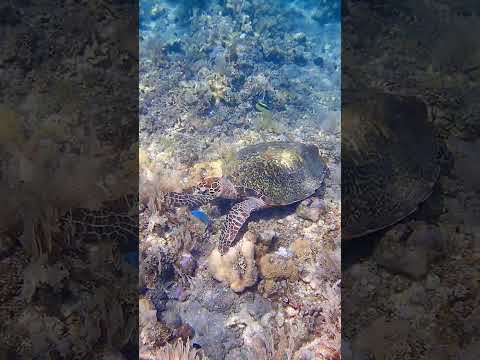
[(311, 209), (317, 350), (187, 263), (278, 267), (412, 263), (207, 328), (410, 254), (219, 299), (267, 236)]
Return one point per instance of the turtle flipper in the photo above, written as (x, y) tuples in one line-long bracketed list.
[(203, 193), (237, 216), (192, 201)]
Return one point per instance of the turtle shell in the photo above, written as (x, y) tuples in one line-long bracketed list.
[(281, 172), (389, 162)]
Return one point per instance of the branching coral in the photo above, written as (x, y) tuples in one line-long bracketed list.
[(155, 179), (151, 269), (152, 332), (176, 351), (325, 319), (263, 343), (330, 332), (218, 86), (327, 268)]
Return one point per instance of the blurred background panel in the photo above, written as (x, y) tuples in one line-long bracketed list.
[(69, 179), (410, 135)]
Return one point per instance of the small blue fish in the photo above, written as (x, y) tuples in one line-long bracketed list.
[(200, 215)]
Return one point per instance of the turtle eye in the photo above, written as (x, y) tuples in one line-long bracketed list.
[(201, 190)]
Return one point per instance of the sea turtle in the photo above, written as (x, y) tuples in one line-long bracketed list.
[(260, 176), (390, 161)]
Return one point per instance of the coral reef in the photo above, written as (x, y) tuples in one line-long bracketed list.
[(278, 266), (237, 266), (213, 79), (178, 351)]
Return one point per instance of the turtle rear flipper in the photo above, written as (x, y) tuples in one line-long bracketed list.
[(235, 220)]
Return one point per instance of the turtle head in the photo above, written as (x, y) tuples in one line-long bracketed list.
[(216, 187)]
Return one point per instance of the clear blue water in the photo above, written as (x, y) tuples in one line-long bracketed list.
[(293, 45)]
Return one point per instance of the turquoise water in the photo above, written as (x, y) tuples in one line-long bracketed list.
[(236, 53)]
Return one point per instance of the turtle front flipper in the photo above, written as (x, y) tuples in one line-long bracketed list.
[(237, 216), (192, 201), (203, 193)]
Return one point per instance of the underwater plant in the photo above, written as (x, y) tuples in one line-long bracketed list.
[(275, 344)]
